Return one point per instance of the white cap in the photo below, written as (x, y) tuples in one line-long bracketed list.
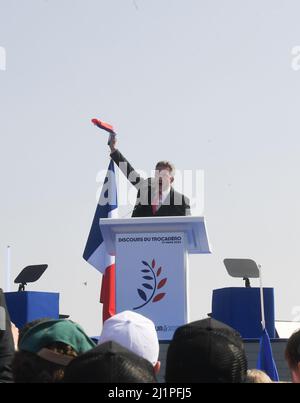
[(133, 331)]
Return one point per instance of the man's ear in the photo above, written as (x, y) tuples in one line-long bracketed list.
[(296, 374), (172, 179), (297, 371), (157, 367)]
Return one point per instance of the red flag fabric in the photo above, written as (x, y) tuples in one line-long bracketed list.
[(108, 288)]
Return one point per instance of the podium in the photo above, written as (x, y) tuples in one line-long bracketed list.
[(152, 265), (26, 306), (240, 308)]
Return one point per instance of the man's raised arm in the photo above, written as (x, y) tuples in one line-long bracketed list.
[(123, 164)]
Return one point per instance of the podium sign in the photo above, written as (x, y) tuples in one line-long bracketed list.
[(151, 265), (151, 278)]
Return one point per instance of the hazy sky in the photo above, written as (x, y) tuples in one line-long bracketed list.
[(207, 84)]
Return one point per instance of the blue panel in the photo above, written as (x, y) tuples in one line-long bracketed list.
[(240, 309), (27, 306)]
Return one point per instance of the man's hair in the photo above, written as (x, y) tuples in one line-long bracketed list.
[(109, 363), (30, 368), (257, 376), (167, 165), (292, 350), (206, 351)]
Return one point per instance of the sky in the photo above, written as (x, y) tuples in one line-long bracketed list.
[(211, 85)]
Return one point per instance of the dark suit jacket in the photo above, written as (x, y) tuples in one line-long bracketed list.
[(7, 348), (175, 204)]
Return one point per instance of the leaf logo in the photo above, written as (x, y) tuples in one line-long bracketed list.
[(158, 297), (152, 285), (142, 294), (161, 283)]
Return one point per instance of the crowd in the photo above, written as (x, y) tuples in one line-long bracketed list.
[(204, 351)]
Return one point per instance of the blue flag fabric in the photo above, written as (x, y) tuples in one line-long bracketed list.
[(265, 360), (95, 252)]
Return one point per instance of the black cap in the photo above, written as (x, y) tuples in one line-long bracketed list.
[(109, 363), (206, 351)]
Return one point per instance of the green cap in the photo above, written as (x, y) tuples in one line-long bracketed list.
[(64, 331)]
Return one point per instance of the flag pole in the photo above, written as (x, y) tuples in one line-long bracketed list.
[(8, 269), (262, 307)]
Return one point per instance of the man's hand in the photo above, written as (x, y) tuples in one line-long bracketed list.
[(112, 143)]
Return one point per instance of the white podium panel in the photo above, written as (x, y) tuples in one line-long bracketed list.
[(151, 278), (151, 265)]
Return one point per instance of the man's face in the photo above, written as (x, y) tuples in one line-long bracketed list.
[(163, 177)]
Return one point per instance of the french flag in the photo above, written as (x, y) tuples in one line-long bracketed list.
[(95, 252)]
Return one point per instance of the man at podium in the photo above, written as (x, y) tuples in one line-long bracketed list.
[(156, 196)]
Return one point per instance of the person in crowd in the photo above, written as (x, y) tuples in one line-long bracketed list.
[(109, 363), (257, 376), (206, 351), (135, 332), (28, 326), (292, 356), (46, 349), (7, 342)]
